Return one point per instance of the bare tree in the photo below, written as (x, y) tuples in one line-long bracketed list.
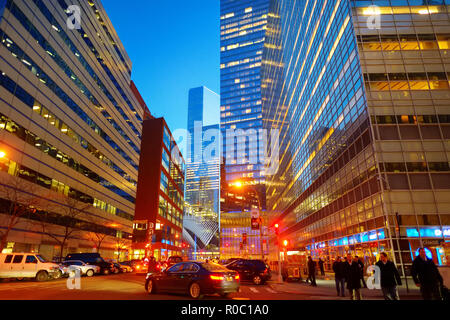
[(67, 218), (97, 236), (121, 245), (22, 200)]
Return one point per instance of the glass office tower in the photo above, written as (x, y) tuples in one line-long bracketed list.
[(70, 130), (362, 109), (243, 27), (201, 220)]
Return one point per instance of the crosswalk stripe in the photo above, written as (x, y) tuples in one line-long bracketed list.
[(254, 290), (270, 290)]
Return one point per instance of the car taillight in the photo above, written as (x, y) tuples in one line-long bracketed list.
[(266, 271), (237, 277), (217, 278)]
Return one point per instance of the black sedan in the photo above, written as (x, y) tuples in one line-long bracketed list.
[(195, 279)]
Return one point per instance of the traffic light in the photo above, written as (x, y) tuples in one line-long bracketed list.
[(277, 228)]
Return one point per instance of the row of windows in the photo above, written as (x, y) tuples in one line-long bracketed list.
[(415, 167), (85, 37), (412, 132), (45, 79), (408, 119), (58, 219), (32, 139), (32, 176), (97, 14), (63, 65), (37, 107), (169, 212), (7, 83)]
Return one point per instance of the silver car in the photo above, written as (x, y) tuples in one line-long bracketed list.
[(85, 269)]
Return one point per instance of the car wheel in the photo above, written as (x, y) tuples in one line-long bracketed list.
[(42, 276), (225, 295), (116, 271), (195, 291), (257, 280), (90, 273), (150, 287), (106, 272), (20, 279), (58, 275)]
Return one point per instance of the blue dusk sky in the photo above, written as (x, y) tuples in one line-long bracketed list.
[(174, 46)]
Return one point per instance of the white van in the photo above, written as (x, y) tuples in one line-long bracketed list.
[(27, 265)]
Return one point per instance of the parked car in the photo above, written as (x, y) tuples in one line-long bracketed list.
[(195, 279), (88, 270), (126, 268), (94, 259), (254, 270), (27, 265), (171, 261)]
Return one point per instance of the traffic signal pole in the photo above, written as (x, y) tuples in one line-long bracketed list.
[(280, 276)]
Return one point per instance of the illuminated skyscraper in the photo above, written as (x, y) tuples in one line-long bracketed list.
[(360, 94), (201, 221), (243, 28), (70, 130)]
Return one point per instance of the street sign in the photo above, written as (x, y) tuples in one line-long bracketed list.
[(255, 224)]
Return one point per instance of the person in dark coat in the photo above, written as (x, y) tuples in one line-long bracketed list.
[(361, 265), (339, 276), (312, 271), (353, 278), (426, 276), (389, 277), (322, 270)]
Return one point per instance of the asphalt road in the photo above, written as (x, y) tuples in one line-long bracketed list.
[(120, 287)]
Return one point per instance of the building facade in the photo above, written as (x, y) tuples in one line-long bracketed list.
[(70, 131), (243, 28), (158, 224), (360, 93), (202, 194)]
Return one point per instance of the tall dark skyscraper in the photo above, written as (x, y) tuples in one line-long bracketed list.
[(243, 29), (202, 212)]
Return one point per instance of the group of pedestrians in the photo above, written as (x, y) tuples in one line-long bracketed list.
[(425, 274)]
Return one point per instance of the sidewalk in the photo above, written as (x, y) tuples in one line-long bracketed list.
[(326, 290)]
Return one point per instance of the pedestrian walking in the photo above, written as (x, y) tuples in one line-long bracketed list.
[(322, 270), (339, 276), (361, 265), (389, 277), (312, 271), (353, 278), (426, 276)]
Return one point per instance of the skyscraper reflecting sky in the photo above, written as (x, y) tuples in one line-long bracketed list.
[(201, 223), (243, 27)]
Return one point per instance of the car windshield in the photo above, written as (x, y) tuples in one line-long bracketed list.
[(214, 267), (41, 259)]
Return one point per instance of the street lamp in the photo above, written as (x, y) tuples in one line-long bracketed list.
[(240, 185), (2, 154)]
